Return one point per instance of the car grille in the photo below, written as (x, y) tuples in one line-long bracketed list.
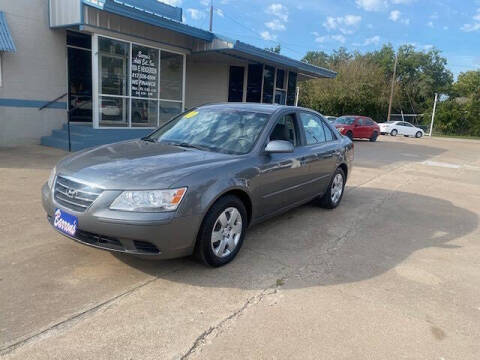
[(74, 195)]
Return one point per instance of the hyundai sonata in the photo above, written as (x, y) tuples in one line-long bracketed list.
[(197, 183)]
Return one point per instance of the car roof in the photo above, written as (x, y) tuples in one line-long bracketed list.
[(256, 107)]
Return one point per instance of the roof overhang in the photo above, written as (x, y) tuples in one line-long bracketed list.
[(151, 12), (245, 51), (6, 40)]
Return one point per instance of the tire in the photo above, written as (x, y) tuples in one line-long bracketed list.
[(216, 236), (350, 135), (394, 132), (328, 200), (374, 137), (405, 135), (418, 134)]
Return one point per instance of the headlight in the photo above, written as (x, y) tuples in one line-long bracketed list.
[(51, 178), (340, 129), (149, 200)]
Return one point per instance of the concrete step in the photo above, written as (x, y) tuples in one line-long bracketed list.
[(84, 136)]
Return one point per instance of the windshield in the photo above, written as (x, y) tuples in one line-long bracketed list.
[(222, 130), (346, 120)]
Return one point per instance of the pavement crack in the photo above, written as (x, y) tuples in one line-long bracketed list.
[(72, 320), (214, 331)]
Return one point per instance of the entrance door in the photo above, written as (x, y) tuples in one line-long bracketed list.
[(235, 86), (79, 76)]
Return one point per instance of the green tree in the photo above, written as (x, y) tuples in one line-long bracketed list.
[(276, 49)]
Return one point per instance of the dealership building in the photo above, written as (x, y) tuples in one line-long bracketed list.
[(115, 70)]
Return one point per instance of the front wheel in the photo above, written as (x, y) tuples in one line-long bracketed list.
[(374, 137), (350, 135), (222, 232), (418, 134), (334, 194), (394, 132)]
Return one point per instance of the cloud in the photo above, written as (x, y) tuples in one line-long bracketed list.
[(267, 35), (396, 16), (275, 25), (345, 24), (430, 24), (475, 25), (196, 14), (172, 2), (219, 12), (371, 5), (278, 10), (330, 38), (374, 40)]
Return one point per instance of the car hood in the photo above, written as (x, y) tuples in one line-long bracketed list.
[(138, 164)]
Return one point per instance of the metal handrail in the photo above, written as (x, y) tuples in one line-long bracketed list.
[(52, 102)]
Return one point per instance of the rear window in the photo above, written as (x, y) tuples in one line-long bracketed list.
[(346, 120)]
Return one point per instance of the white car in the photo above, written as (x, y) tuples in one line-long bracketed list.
[(395, 128)]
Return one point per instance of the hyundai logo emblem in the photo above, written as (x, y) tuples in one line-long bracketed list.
[(72, 193)]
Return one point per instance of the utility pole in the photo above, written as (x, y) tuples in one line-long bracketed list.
[(211, 16), (433, 114), (393, 85)]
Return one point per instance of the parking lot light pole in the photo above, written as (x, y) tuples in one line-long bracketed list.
[(433, 114)]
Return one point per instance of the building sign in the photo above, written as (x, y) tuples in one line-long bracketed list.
[(144, 72), (97, 3)]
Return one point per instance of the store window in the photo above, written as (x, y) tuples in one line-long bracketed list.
[(291, 88), (139, 86), (268, 84)]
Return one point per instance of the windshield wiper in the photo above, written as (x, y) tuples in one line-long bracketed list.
[(187, 145), (146, 138)]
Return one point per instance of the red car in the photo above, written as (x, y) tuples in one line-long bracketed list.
[(358, 127)]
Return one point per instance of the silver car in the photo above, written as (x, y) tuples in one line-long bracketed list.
[(196, 184)]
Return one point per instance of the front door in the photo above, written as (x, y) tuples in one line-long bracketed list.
[(282, 179), (79, 76)]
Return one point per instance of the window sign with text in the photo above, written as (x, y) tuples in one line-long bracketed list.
[(144, 72)]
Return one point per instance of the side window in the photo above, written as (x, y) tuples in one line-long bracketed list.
[(314, 131), (407, 124), (328, 133), (370, 122), (286, 129)]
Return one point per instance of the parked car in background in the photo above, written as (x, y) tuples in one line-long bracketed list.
[(330, 119), (357, 127), (395, 128), (198, 182)]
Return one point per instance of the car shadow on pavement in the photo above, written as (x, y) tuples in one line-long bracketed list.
[(372, 232)]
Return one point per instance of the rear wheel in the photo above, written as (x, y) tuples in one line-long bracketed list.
[(418, 134), (222, 232), (334, 194), (394, 132), (350, 135), (374, 137)]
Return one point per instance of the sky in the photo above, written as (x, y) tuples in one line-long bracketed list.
[(452, 26)]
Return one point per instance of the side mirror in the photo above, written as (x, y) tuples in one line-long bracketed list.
[(279, 146)]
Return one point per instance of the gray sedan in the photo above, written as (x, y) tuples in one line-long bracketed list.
[(196, 184)]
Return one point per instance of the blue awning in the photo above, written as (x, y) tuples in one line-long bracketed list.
[(249, 52), (6, 41)]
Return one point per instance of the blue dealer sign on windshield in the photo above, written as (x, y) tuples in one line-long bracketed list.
[(65, 222)]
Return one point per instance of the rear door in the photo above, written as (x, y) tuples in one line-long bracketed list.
[(402, 130), (320, 147), (361, 128)]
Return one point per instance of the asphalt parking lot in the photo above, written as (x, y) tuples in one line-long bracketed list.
[(393, 273)]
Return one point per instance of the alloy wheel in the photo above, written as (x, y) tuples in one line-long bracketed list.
[(337, 188), (226, 232)]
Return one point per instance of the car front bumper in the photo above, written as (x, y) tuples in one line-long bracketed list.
[(153, 235)]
